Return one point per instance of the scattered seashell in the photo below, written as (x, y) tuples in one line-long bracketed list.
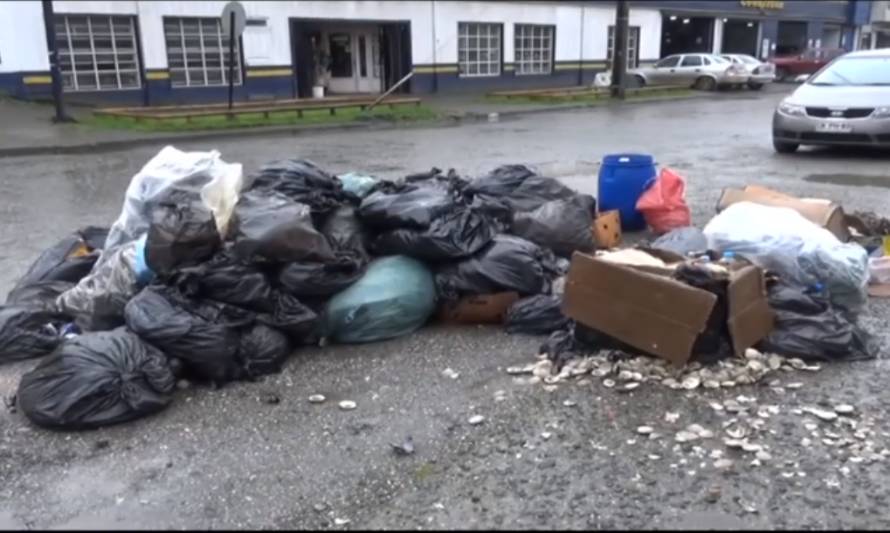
[(569, 403), (821, 414), (546, 435), (654, 457), (625, 375), (671, 417), (736, 432), (805, 442), (691, 382), (723, 464), (670, 382), (733, 443), (751, 353), (763, 455), (685, 436), (728, 384), (795, 385), (450, 373), (601, 372), (516, 370), (774, 362), (645, 430), (717, 406), (475, 420), (751, 447), (552, 380), (711, 384), (317, 398), (347, 405), (796, 363), (812, 368), (629, 386), (755, 366), (608, 383), (844, 409)]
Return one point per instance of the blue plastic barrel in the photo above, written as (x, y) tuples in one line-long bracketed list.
[(622, 180)]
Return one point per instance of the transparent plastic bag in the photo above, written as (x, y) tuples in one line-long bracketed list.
[(217, 181), (800, 252)]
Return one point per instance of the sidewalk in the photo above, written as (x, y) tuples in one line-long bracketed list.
[(29, 129)]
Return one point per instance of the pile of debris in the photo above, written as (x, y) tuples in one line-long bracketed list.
[(213, 277)]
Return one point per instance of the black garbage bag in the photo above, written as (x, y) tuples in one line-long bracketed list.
[(346, 234), (413, 206), (538, 315), (508, 263), (263, 350), (714, 342), (682, 241), (225, 278), (28, 332), (454, 235), (96, 379), (303, 182), (320, 279), (200, 333), (564, 226), (182, 232), (809, 327), (290, 316), (70, 259), (40, 295), (268, 226), (515, 188)]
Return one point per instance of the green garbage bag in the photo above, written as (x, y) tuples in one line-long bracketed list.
[(394, 297)]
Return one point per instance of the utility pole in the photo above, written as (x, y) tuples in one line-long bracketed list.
[(619, 49), (50, 27)]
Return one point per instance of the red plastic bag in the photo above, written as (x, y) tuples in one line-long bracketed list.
[(664, 203)]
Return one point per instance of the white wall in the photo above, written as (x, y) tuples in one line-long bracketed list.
[(21, 22), (22, 37)]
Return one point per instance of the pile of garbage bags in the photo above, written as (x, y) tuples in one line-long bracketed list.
[(213, 276)]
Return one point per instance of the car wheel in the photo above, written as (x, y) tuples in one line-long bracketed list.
[(639, 81), (705, 84), (785, 147), (755, 86), (781, 74)]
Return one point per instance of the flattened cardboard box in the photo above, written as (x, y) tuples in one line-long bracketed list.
[(818, 211), (478, 309), (660, 315)]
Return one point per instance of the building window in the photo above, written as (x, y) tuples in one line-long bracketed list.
[(633, 46), (534, 48), (479, 49), (97, 52), (198, 52)]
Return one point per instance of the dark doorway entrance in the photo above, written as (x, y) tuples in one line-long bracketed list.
[(336, 52), (681, 34), (792, 38), (740, 37)]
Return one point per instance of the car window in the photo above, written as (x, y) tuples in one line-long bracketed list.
[(718, 59), (706, 61), (749, 60), (855, 71), (691, 61), (670, 61)]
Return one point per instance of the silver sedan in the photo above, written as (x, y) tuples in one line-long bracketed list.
[(845, 103), (760, 73), (702, 71)]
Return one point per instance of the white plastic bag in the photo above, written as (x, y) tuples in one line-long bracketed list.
[(218, 182), (781, 240)]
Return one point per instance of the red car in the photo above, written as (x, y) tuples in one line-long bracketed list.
[(807, 62)]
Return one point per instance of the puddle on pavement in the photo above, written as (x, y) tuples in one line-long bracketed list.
[(855, 180)]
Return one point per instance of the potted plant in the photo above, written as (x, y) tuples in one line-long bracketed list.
[(322, 72)]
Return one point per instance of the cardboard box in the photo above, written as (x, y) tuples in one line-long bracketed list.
[(659, 315), (819, 211), (607, 229), (479, 309)]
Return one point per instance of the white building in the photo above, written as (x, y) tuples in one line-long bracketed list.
[(155, 52)]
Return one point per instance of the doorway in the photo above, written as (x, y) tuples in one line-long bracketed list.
[(740, 37), (792, 38), (349, 57), (682, 34), (831, 36)]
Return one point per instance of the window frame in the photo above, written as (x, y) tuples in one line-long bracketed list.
[(71, 53), (223, 44), (634, 31), (551, 57), (678, 56), (464, 73)]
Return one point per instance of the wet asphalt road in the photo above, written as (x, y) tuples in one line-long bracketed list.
[(226, 459)]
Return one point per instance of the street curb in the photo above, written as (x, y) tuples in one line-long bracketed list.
[(274, 131)]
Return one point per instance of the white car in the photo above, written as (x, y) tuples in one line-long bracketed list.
[(760, 73)]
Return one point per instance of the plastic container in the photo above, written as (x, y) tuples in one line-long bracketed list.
[(622, 180)]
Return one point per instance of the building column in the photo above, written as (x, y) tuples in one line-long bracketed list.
[(717, 44), (769, 33)]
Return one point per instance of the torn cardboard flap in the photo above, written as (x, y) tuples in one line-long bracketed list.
[(660, 315), (822, 212)]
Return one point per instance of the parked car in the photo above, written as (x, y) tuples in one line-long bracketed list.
[(759, 72), (701, 71), (845, 103), (807, 62)]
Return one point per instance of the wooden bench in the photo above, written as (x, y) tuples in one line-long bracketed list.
[(279, 107)]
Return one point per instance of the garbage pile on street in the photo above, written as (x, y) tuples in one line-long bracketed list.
[(212, 276)]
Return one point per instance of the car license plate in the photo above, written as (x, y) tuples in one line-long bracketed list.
[(834, 127)]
